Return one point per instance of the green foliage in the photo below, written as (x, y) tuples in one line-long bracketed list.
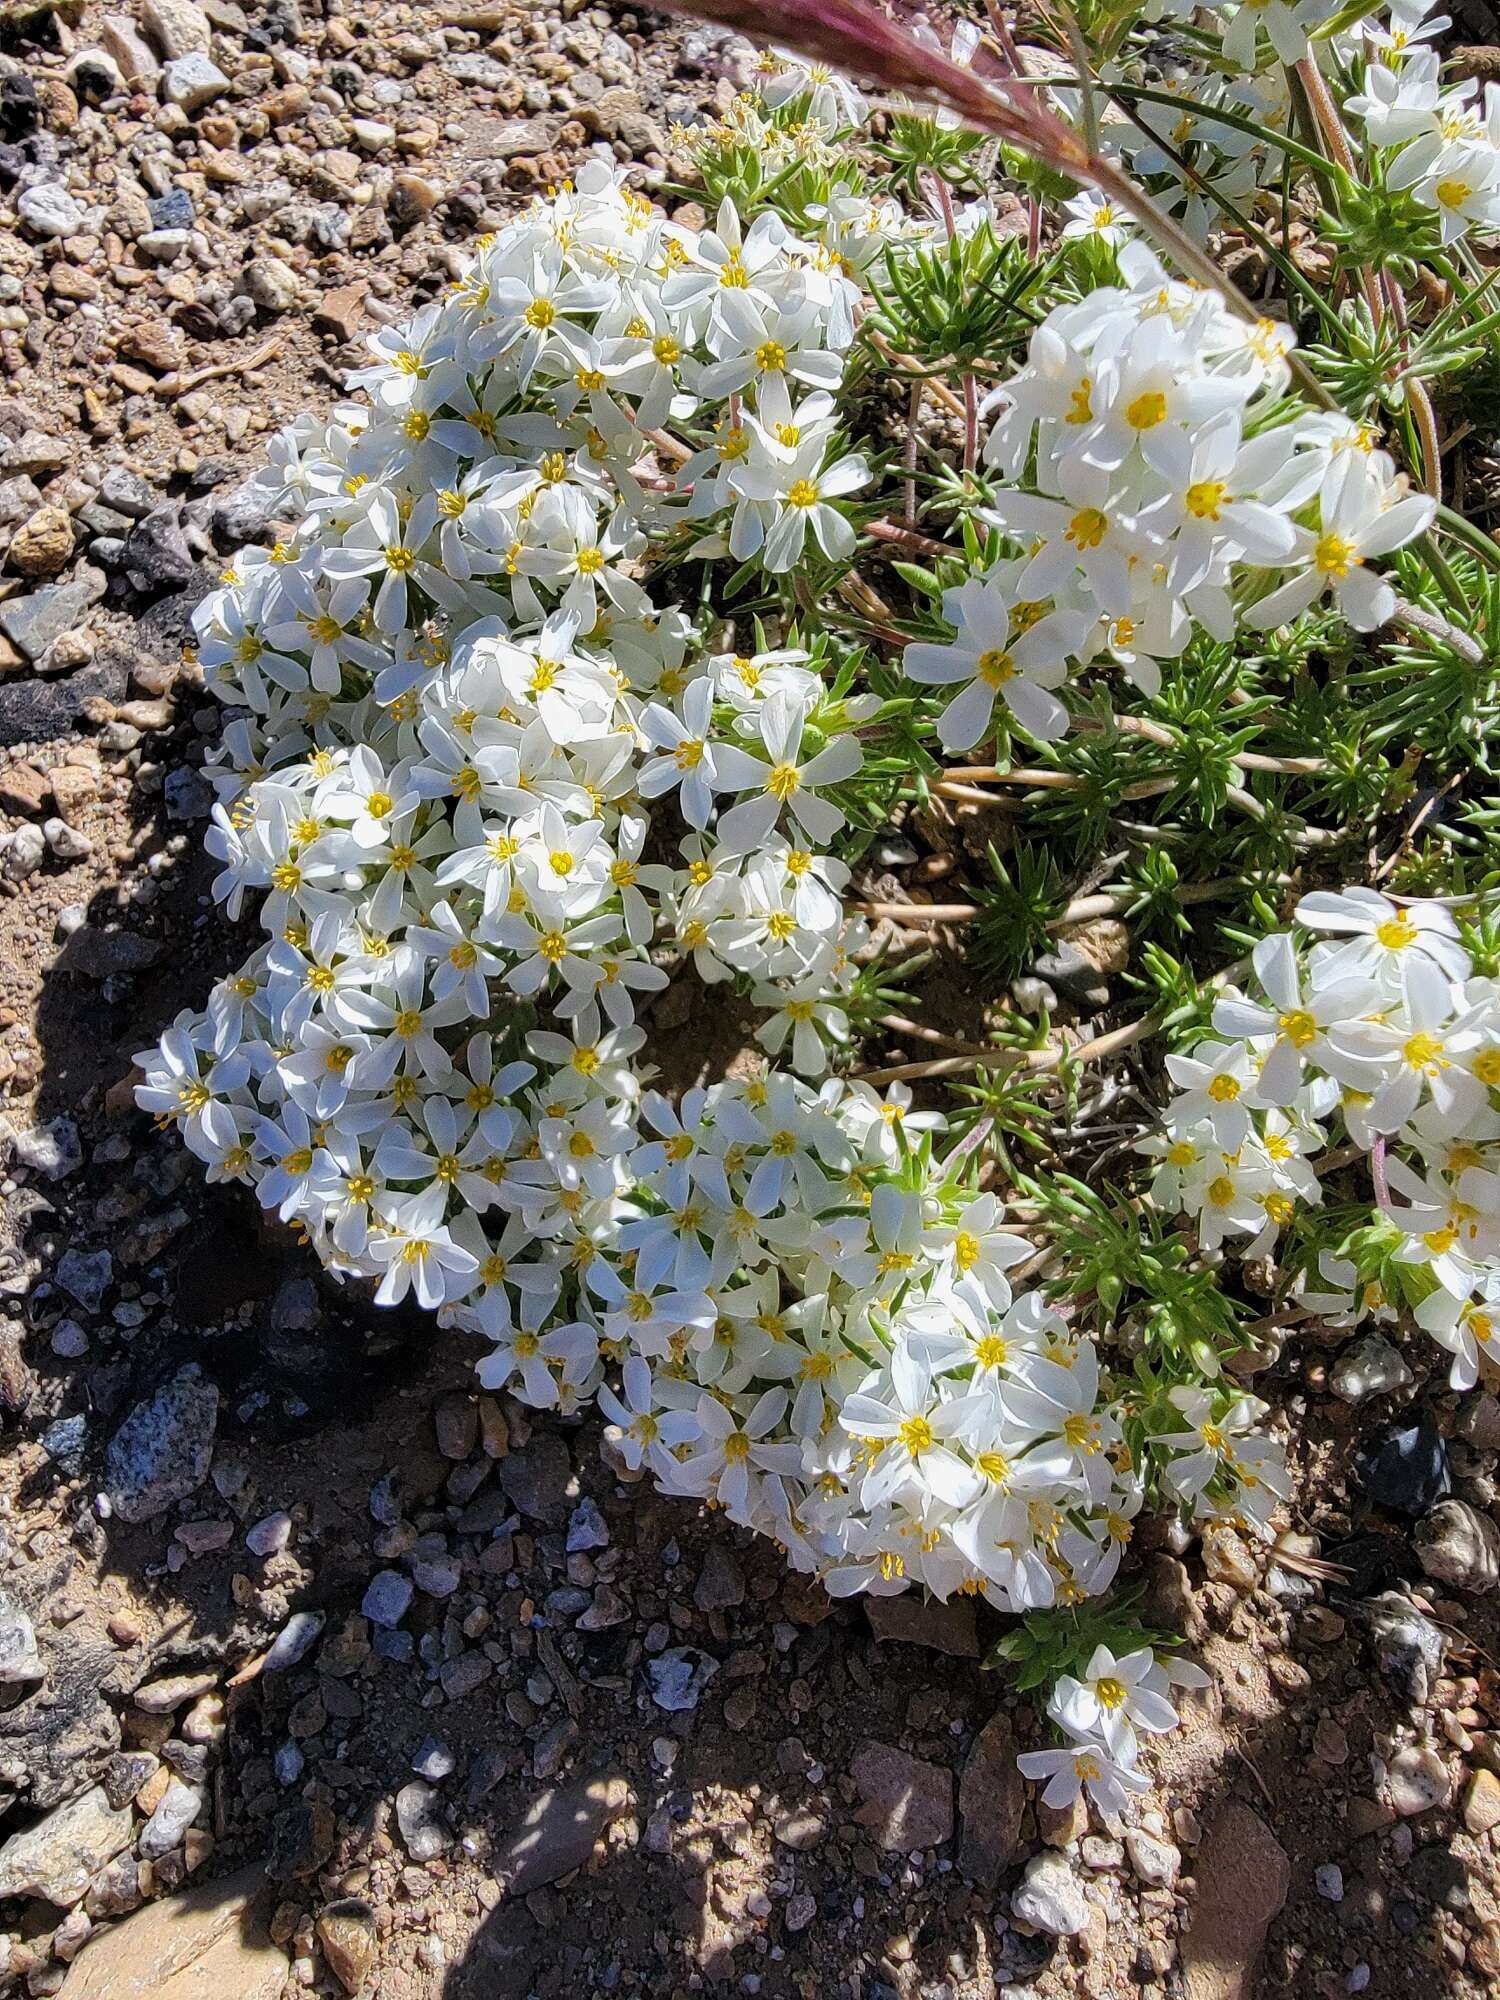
[(915, 147), (1045, 1645), (969, 299), (1125, 1263), (1017, 907)]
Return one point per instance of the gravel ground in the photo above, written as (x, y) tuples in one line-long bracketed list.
[(354, 1680)]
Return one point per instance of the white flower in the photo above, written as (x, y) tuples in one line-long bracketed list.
[(1018, 651), (784, 778), (1083, 1767), (1092, 219), (1360, 519), (1383, 935), (1114, 1699)]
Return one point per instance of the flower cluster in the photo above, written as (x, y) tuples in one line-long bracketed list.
[(460, 703), (1162, 494), (498, 764), (1102, 1716), (1376, 1037), (1439, 144)]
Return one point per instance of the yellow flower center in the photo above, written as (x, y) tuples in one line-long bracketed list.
[(1147, 411), (995, 668), (1087, 528), (1299, 1027), (916, 1434), (1335, 556)]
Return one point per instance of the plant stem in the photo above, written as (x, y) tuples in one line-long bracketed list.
[(1418, 619), (1094, 1050)]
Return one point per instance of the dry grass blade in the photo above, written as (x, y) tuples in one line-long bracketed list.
[(854, 36)]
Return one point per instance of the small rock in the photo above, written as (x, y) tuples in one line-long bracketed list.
[(156, 553), (1069, 973), (161, 1453), (23, 789), (1369, 1366), (910, 1619), (536, 1479), (125, 492), (420, 1820), (69, 1341), (1051, 1898), (294, 1641), (173, 1691), (128, 49), (193, 81), (341, 312), (456, 1420), (348, 1940), (188, 795), (48, 210), (35, 621), (1481, 1803), (208, 1942), (991, 1801), (85, 1275), (678, 1676), (24, 852), (434, 1760), (907, 1803), (800, 1829), (1417, 1780), (558, 1833), (388, 1598), (1155, 1862), (1328, 1880), (268, 1537), (180, 1806), (176, 27), (41, 546), (410, 199), (587, 1529), (107, 954), (58, 1857), (1243, 1877), (272, 284), (157, 343), (53, 1150), (1408, 1647), (801, 1909), (436, 1579), (127, 1773), (65, 841), (721, 1581), (1405, 1466), (1459, 1546), (20, 1661)]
